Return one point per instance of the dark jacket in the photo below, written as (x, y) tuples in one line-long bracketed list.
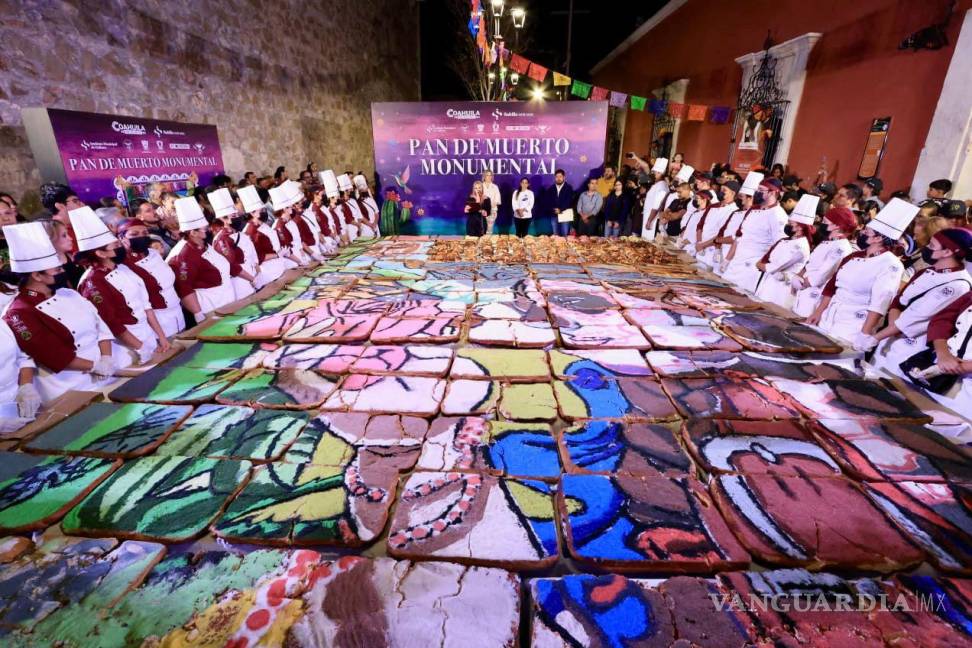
[(564, 201), (616, 208)]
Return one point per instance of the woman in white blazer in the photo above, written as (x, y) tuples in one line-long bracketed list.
[(523, 208)]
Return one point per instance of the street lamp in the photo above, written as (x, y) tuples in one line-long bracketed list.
[(518, 14), (496, 43), (497, 8), (538, 93)]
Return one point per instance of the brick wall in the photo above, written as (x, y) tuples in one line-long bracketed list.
[(285, 81)]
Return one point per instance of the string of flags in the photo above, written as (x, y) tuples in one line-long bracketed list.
[(524, 66)]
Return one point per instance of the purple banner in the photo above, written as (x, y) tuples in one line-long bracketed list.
[(96, 149), (433, 152)]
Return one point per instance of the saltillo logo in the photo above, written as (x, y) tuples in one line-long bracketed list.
[(128, 129), (462, 114)]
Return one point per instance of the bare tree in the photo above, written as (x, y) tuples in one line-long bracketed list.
[(467, 61)]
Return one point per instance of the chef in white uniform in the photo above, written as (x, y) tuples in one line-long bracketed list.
[(654, 200), (19, 399), (700, 207), (824, 259), (203, 280), (327, 245), (858, 296), (757, 232), (788, 256), (731, 230), (360, 220), (708, 253), (264, 240), (373, 212), (929, 292), (227, 242), (117, 291), (59, 329), (335, 208), (950, 335)]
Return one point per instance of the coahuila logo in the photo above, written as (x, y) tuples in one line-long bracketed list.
[(128, 129), (462, 114)]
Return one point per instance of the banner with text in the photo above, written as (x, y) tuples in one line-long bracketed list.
[(432, 152), (96, 149)]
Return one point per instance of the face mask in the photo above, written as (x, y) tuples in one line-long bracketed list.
[(926, 256), (140, 244), (695, 203), (862, 241), (60, 281), (789, 230), (758, 198), (238, 223), (119, 255), (264, 217), (209, 238)]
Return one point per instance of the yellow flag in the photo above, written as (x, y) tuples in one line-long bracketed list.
[(561, 79)]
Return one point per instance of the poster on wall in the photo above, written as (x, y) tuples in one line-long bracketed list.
[(432, 152), (95, 150), (877, 139), (754, 130)]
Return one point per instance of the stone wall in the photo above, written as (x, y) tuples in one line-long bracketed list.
[(285, 81)]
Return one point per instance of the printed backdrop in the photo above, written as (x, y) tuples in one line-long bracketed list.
[(96, 148), (433, 152)]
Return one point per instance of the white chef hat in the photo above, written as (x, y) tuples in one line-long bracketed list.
[(360, 182), (287, 194), (250, 198), (190, 214), (344, 182), (806, 209), (30, 247), (221, 201), (751, 183), (89, 230), (329, 180), (685, 173), (893, 220), (660, 166)]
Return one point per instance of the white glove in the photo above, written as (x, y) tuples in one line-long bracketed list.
[(104, 367), (723, 266), (796, 282), (145, 353), (28, 401), (779, 276), (864, 342), (200, 317), (12, 424)]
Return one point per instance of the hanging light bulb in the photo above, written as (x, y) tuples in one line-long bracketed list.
[(518, 14)]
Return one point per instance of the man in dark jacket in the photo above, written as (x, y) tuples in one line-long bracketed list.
[(560, 197)]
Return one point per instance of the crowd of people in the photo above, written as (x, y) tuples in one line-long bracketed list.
[(890, 279), (85, 292)]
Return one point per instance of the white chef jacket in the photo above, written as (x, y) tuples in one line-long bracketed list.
[(12, 360), (654, 200), (820, 267), (759, 231), (863, 285), (711, 257), (922, 298), (523, 200), (787, 258), (170, 318)]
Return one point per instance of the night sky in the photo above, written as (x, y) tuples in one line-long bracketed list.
[(544, 39)]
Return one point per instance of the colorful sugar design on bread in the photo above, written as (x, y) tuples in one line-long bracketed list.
[(426, 330), (935, 515), (307, 503), (264, 321), (475, 444), (729, 398), (326, 358), (336, 438), (884, 450), (175, 384), (408, 360), (223, 355), (614, 447), (594, 395), (36, 491), (954, 597), (388, 395), (524, 335), (169, 499), (612, 610), (425, 309), (757, 447), (569, 364), (649, 524), (851, 399), (773, 334), (280, 389), (520, 365), (818, 522), (225, 432), (46, 591), (474, 519), (528, 402), (679, 329), (469, 397), (112, 430), (399, 602)]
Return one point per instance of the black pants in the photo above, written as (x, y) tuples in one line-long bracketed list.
[(522, 226), (588, 228)]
